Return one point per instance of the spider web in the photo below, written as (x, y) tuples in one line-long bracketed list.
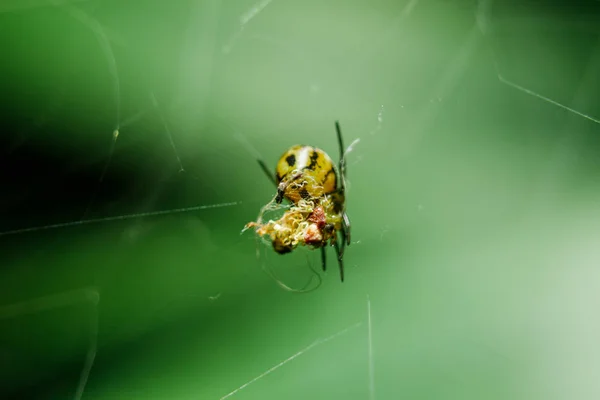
[(130, 170)]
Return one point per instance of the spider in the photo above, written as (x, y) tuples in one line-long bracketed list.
[(307, 177)]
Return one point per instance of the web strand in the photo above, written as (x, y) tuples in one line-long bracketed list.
[(117, 218), (290, 358)]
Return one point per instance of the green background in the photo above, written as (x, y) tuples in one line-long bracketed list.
[(474, 200)]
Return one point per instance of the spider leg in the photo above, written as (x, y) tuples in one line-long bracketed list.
[(346, 229), (343, 240), (342, 164), (323, 258), (267, 172), (342, 188), (340, 257)]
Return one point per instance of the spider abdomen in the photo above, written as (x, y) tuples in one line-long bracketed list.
[(305, 172)]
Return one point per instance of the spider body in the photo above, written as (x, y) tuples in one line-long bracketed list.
[(304, 172), (308, 178)]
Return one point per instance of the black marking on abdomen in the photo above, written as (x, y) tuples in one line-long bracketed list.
[(331, 171), (304, 194), (291, 160), (313, 160)]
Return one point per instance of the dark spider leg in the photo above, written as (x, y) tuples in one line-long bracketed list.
[(272, 178), (342, 189), (323, 258), (267, 172), (342, 164), (340, 258), (342, 241), (346, 228)]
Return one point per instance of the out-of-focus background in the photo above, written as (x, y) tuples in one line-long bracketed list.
[(473, 194)]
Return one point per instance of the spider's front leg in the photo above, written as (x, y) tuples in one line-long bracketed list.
[(323, 258), (340, 256), (346, 229)]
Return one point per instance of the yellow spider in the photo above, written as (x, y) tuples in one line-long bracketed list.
[(308, 178)]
